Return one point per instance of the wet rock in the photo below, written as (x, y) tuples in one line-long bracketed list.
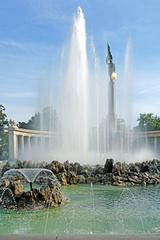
[(134, 179), (71, 177), (144, 167), (67, 166), (120, 169), (108, 167), (81, 179), (133, 168), (17, 188), (92, 180), (4, 182), (27, 200), (56, 167), (107, 178), (86, 171), (77, 168), (5, 167), (98, 170), (52, 197), (7, 199), (119, 184), (62, 178)]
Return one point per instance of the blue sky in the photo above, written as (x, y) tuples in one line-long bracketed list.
[(33, 32)]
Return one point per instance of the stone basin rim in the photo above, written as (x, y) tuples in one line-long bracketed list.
[(82, 237)]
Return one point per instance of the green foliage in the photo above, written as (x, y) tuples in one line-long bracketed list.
[(148, 122), (3, 134), (47, 120), (33, 123)]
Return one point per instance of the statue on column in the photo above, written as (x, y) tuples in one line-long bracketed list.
[(12, 124)]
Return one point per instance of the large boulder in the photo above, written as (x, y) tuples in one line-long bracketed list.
[(7, 199), (120, 168), (4, 182), (17, 188), (98, 170), (144, 167), (56, 167), (108, 167), (81, 179), (62, 178), (71, 177), (52, 197), (27, 200)]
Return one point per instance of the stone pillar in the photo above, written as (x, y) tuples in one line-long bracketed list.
[(29, 143), (21, 146), (13, 145)]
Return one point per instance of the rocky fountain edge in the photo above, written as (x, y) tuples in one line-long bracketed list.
[(116, 174)]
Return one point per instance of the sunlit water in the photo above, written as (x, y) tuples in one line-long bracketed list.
[(92, 209)]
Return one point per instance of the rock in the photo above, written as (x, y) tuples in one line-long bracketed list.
[(86, 171), (7, 199), (62, 178), (56, 167), (52, 197), (17, 188), (119, 184), (81, 179), (98, 170), (6, 167), (4, 182), (71, 177), (67, 166), (77, 168), (133, 168), (26, 200), (120, 169), (92, 180), (134, 179), (107, 178), (108, 167), (144, 167)]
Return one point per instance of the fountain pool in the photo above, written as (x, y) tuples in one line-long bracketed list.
[(95, 209)]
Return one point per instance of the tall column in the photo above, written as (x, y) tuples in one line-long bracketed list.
[(111, 89), (13, 144), (29, 143), (21, 146), (111, 100)]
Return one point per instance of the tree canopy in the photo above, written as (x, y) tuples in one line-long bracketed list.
[(3, 134), (33, 123), (148, 122), (46, 120)]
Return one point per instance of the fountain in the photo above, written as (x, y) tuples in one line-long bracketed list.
[(88, 131), (31, 174), (14, 183), (82, 113)]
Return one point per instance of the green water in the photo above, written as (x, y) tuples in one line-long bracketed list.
[(97, 210)]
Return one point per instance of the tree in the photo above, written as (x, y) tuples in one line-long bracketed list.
[(148, 122), (3, 134), (33, 123), (46, 120)]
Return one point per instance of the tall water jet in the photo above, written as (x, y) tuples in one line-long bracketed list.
[(74, 107), (81, 118), (128, 78)]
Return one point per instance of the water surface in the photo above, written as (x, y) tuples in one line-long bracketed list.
[(93, 209)]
